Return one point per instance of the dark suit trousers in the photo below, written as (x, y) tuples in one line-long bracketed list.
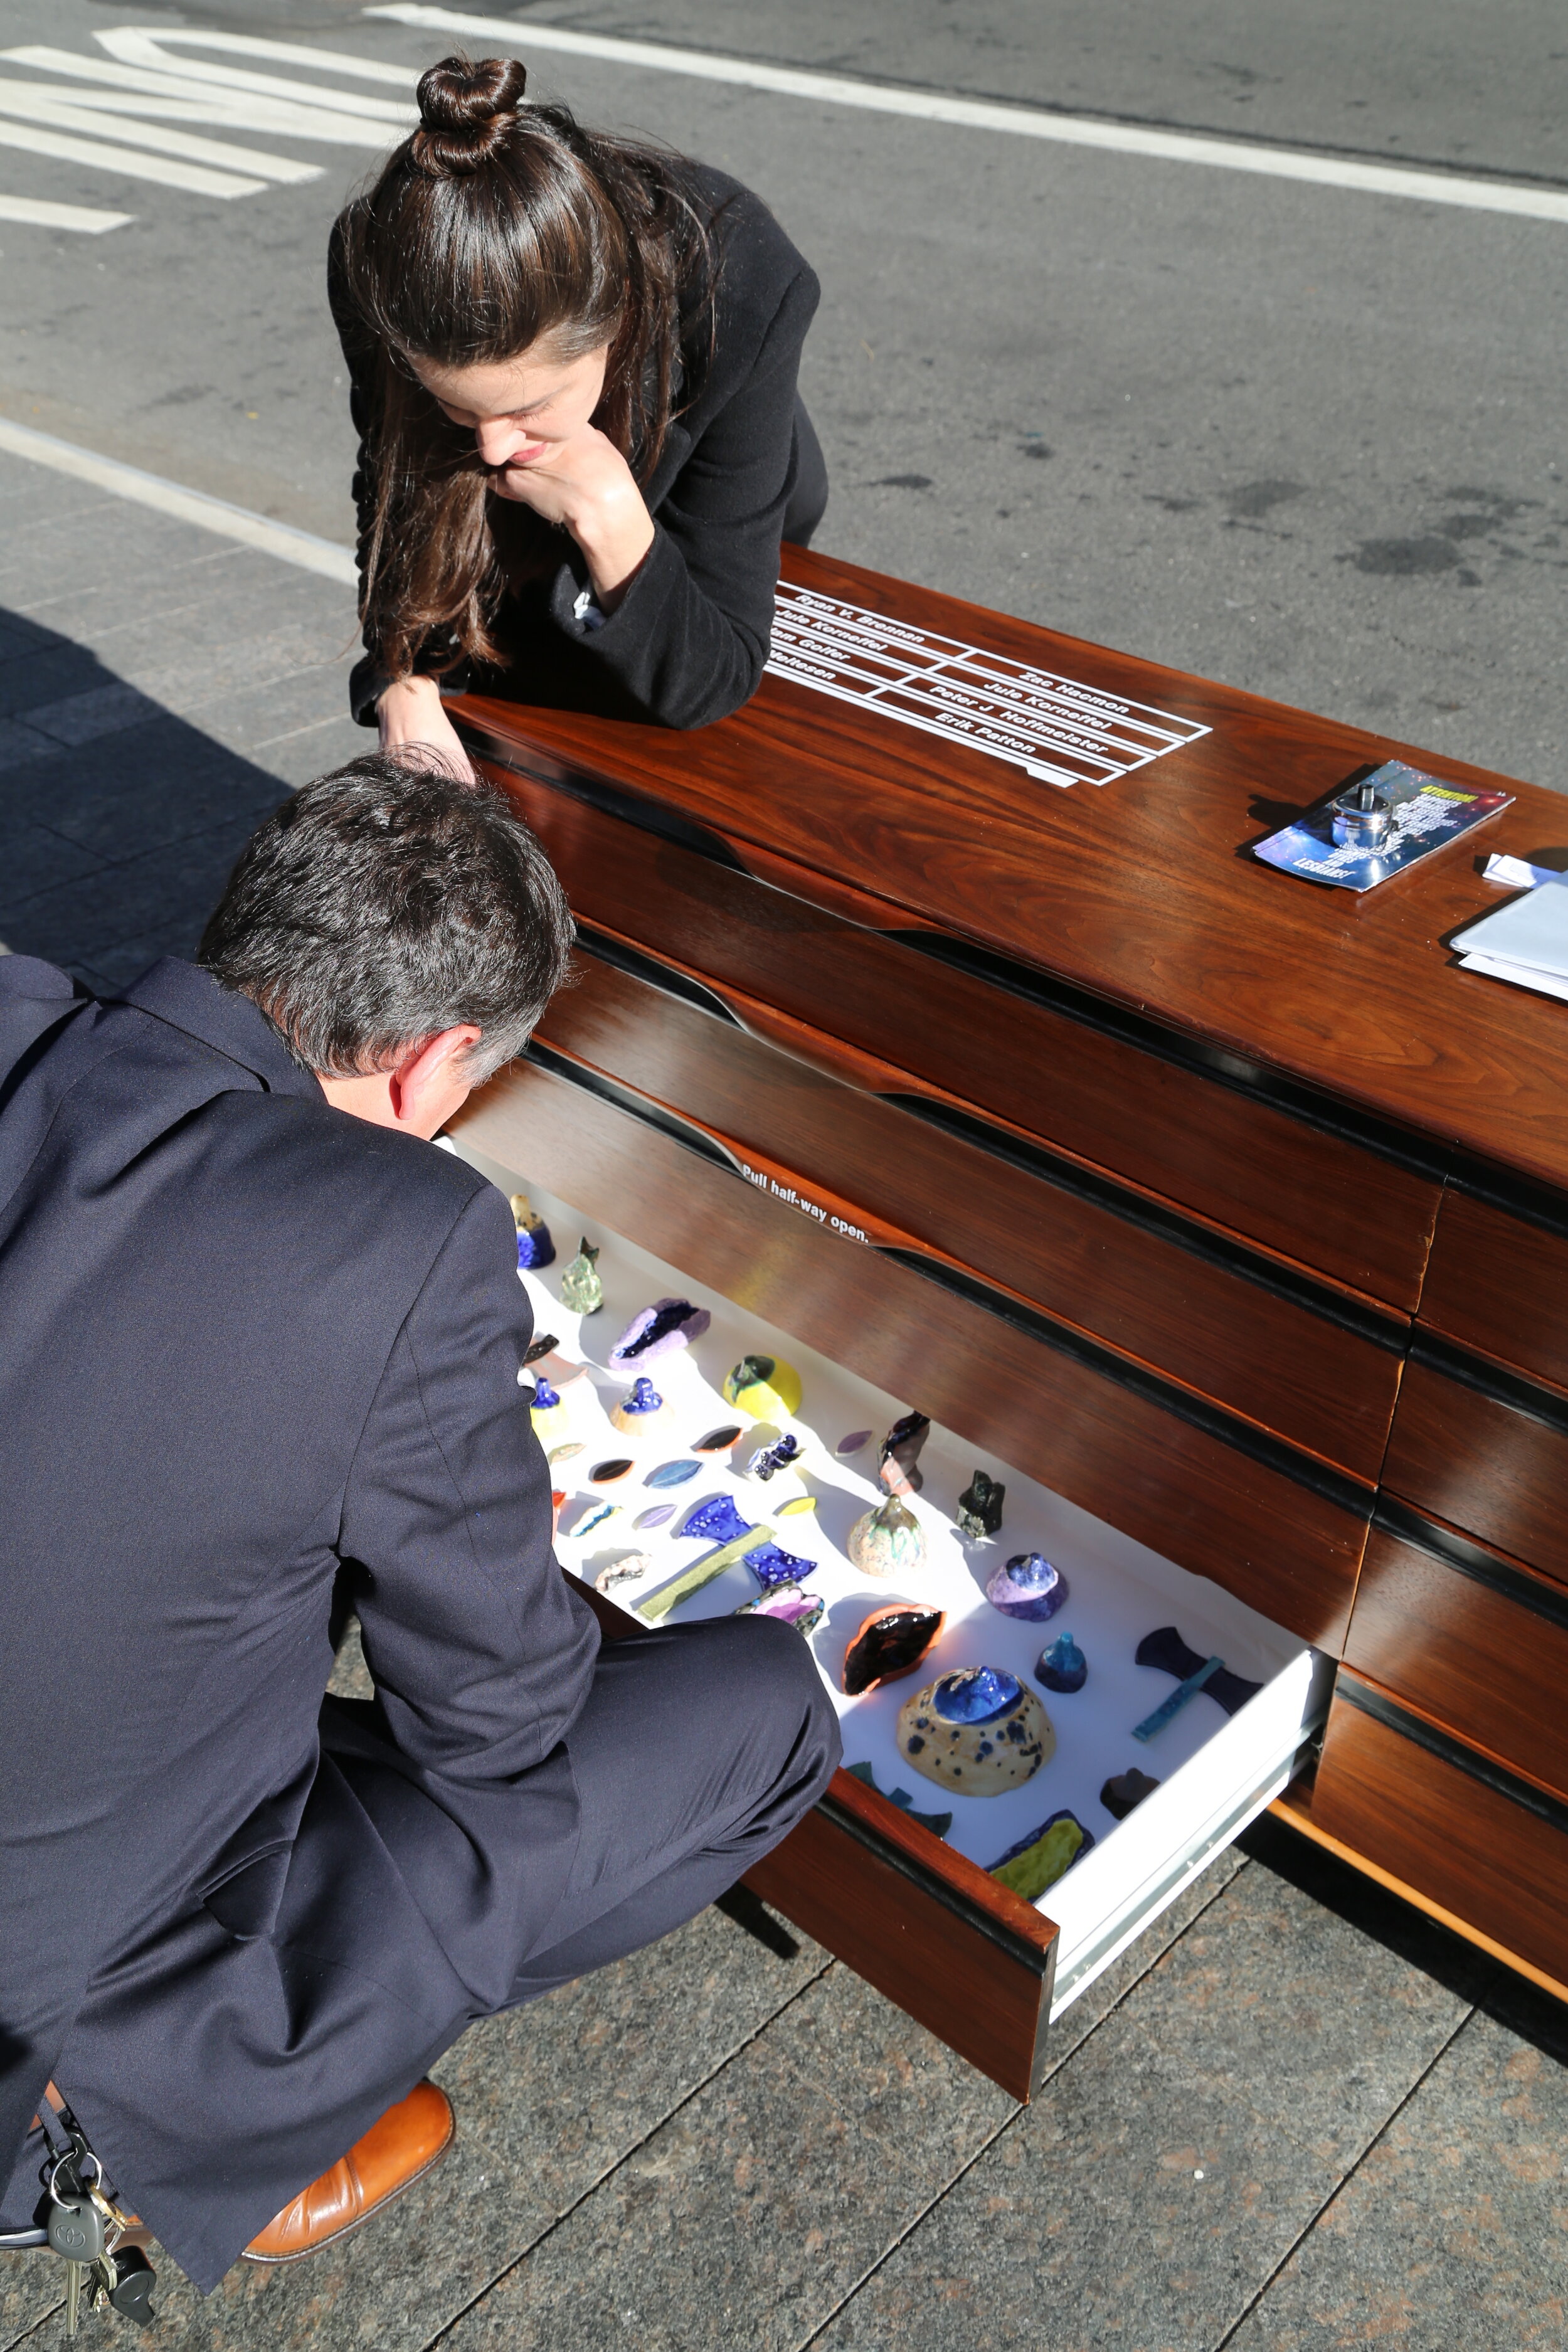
[(700, 1747)]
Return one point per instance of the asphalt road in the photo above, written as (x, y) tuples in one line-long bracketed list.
[(1304, 440)]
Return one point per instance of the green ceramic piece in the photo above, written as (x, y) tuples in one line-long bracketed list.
[(1041, 1864), (580, 1288)]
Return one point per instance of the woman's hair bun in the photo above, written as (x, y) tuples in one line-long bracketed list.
[(465, 111)]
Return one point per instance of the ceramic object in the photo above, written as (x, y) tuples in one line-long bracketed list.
[(789, 1603), (888, 1541), (567, 1452), (771, 1565), (1125, 1790), (534, 1246), (658, 1330), (1027, 1587), (547, 1412), (540, 1345), (657, 1605), (796, 1505), (765, 1386), (890, 1644), (898, 1462), (715, 1519), (1165, 1648), (597, 1515), (777, 1456), (659, 1517), (1046, 1854), (580, 1288), (977, 1731), (719, 1441), (557, 1497), (671, 1474), (611, 1472), (642, 1409), (1062, 1667), (938, 1824), (630, 1569), (855, 1442), (980, 1508)]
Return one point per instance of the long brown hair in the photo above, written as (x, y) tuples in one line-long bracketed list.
[(493, 224)]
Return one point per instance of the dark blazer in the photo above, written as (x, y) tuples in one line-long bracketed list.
[(248, 1339), (686, 644)]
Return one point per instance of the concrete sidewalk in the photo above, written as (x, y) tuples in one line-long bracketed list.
[(1295, 2116)]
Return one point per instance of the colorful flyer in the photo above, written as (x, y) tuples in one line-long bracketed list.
[(1424, 812)]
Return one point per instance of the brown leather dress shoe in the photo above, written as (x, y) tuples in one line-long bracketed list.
[(407, 2141)]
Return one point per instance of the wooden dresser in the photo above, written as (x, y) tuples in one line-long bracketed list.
[(1224, 1205)]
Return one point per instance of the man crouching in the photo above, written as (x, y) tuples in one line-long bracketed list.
[(259, 1335)]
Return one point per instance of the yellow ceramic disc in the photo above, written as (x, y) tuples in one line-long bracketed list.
[(764, 1386)]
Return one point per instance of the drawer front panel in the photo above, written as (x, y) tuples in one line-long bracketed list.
[(1229, 1155), (1289, 1550), (1500, 1283), (1477, 1643), (1178, 1304), (1494, 1855), (1483, 1463)]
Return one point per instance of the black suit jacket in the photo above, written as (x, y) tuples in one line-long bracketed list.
[(688, 643), (248, 1338)]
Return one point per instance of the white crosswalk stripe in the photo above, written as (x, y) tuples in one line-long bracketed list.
[(131, 112), (38, 212)]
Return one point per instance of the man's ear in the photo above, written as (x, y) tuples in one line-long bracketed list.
[(428, 1075)]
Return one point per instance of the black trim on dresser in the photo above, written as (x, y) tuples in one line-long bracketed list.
[(1368, 1700), (1466, 1558)]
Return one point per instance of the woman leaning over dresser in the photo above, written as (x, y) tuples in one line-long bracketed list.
[(573, 363)]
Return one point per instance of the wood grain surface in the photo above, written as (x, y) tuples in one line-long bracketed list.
[(1142, 891), (985, 1998), (1469, 1848), (1500, 1283), (1264, 1356), (1483, 1465), (952, 1945), (1478, 1660), (807, 945), (1291, 1553)]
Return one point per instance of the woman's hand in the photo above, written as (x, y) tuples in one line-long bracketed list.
[(409, 715), (585, 485)]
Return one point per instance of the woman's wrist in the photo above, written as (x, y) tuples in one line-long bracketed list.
[(408, 698), (614, 533)]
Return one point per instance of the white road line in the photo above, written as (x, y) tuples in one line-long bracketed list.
[(341, 116), (976, 114), (99, 156), (280, 539), (151, 41), (51, 108), (35, 213)]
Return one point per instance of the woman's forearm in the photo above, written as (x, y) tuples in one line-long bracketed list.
[(410, 712)]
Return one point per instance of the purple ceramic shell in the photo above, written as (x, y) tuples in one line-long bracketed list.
[(1027, 1587), (788, 1603), (658, 1330)]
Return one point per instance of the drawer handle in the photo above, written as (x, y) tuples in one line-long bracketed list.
[(1456, 1552), (847, 1066), (1448, 1750)]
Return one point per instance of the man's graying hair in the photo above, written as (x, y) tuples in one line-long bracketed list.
[(385, 903)]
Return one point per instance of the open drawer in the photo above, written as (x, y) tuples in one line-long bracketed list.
[(917, 1913)]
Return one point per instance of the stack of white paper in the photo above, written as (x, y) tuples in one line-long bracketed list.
[(1525, 942)]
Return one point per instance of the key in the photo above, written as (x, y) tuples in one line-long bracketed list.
[(73, 2297), (74, 2228)]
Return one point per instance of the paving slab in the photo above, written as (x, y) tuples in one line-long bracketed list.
[(1169, 2167), (548, 2100), (1453, 2232)]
